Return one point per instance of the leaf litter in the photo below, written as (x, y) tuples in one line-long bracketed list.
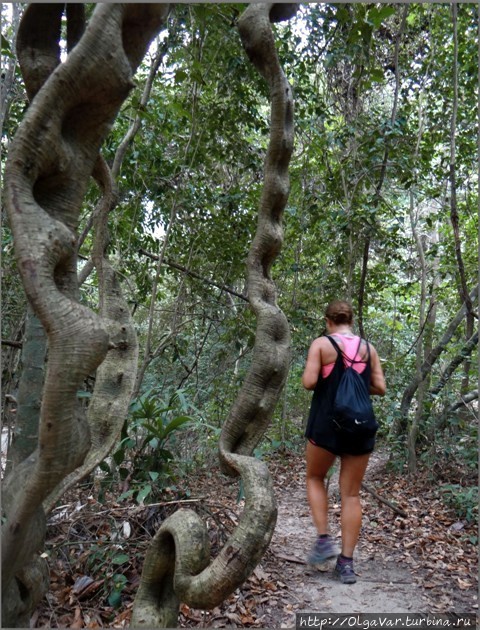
[(95, 552)]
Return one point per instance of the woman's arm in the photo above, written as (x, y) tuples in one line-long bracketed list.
[(313, 365), (377, 383)]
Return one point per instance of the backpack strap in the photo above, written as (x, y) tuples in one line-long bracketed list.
[(345, 357)]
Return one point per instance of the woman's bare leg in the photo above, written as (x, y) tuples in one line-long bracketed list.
[(352, 471), (319, 462)]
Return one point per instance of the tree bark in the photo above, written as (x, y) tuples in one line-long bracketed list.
[(39, 55), (118, 161), (50, 161), (177, 565), (424, 340), (115, 377)]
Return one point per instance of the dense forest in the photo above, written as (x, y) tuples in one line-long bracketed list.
[(190, 185)]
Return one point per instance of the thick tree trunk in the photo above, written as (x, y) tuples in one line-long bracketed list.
[(115, 378), (177, 565), (114, 383), (48, 170)]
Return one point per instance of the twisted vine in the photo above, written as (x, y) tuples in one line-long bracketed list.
[(50, 162), (177, 566)]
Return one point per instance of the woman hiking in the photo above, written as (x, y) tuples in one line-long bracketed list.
[(323, 371)]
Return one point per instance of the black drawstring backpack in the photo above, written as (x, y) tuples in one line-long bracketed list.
[(352, 408)]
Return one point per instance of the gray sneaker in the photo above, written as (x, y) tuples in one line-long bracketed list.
[(344, 571), (322, 550)]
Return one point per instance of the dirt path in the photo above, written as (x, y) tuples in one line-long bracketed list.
[(383, 585), (414, 555)]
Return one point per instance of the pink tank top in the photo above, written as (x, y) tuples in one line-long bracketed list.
[(350, 345)]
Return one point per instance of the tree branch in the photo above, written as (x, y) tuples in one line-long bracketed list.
[(194, 274), (466, 398), (12, 344), (384, 501), (454, 363)]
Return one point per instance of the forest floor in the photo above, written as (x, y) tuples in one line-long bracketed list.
[(414, 555)]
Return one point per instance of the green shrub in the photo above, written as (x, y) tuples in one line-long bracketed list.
[(142, 459), (464, 500)]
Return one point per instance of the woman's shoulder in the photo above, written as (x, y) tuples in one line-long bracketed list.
[(324, 341), (318, 342)]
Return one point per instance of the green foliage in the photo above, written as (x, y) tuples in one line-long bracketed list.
[(459, 443), (144, 454), (113, 564), (464, 500)]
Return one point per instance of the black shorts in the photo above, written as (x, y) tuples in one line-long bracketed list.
[(339, 445)]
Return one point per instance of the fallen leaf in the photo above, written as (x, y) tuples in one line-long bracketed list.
[(77, 620), (260, 574), (233, 617)]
